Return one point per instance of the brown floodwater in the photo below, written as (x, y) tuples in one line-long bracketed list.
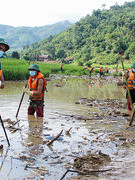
[(29, 139)]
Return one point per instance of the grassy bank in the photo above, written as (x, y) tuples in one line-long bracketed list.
[(14, 69)]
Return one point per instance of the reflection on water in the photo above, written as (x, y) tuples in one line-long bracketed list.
[(35, 127), (59, 101), (34, 138), (61, 97)]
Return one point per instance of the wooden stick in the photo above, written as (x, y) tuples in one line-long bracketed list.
[(4, 130), (132, 116), (84, 173), (122, 62), (67, 132), (20, 102), (35, 167), (55, 138), (16, 122), (4, 158)]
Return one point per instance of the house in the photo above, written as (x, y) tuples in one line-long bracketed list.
[(67, 60), (45, 57)]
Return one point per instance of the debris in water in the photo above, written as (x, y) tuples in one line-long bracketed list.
[(91, 161), (1, 146)]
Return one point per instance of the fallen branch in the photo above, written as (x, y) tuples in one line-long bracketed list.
[(55, 138), (35, 167), (74, 156), (57, 162), (84, 173), (16, 122), (4, 159), (67, 132), (132, 116), (24, 158)]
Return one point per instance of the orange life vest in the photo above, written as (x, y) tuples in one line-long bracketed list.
[(100, 70), (131, 79), (91, 69), (33, 85), (0, 72)]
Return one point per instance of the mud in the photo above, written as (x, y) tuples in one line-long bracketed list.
[(91, 119)]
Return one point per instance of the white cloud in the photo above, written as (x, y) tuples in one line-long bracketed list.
[(42, 12)]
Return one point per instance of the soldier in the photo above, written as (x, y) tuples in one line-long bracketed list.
[(101, 73), (129, 82), (37, 86), (90, 71), (3, 48), (61, 67)]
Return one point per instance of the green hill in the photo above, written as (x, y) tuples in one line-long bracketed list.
[(18, 37), (98, 38)]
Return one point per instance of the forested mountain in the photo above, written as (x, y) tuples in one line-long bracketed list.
[(18, 37), (99, 37)]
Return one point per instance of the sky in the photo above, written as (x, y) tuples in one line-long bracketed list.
[(45, 12)]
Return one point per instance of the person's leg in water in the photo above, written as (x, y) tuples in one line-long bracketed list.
[(40, 111), (132, 94), (128, 104), (31, 110), (32, 107)]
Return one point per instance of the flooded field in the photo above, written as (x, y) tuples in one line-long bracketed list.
[(92, 118)]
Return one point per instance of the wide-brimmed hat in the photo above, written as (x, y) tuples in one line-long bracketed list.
[(2, 41), (34, 67), (133, 65)]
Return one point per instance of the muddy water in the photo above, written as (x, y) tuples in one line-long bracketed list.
[(28, 151)]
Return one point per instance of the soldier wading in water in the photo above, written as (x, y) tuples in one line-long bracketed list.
[(3, 48), (129, 82), (37, 86)]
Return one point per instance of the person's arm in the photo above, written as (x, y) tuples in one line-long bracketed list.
[(2, 81), (39, 90)]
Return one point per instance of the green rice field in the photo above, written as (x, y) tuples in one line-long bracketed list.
[(14, 69)]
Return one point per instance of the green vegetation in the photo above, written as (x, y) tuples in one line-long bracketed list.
[(98, 38), (14, 69)]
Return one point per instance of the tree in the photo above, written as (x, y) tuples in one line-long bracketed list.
[(15, 55), (96, 38), (51, 50), (61, 54)]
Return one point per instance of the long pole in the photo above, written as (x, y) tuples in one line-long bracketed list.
[(4, 130), (132, 116), (3, 123), (20, 103)]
